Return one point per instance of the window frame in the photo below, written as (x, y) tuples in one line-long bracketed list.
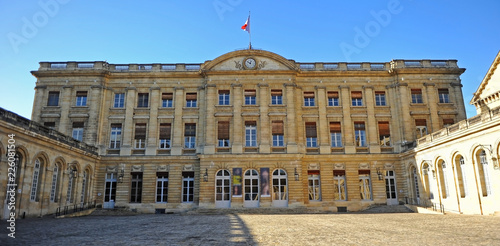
[(119, 100), (53, 98)]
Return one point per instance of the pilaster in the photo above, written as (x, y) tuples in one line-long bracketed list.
[(291, 129), (459, 101), (210, 136), (126, 148), (178, 127), (350, 148), (323, 125), (152, 141), (432, 102), (65, 106), (238, 129), (40, 92), (371, 122), (265, 136), (92, 127)]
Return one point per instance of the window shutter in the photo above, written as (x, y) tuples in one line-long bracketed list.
[(338, 172), (309, 94), (191, 96), (335, 127), (190, 130), (116, 125), (311, 130), (416, 91), (380, 92), (165, 130), (140, 131), (364, 172), (223, 131), (420, 122), (443, 91), (383, 128), (448, 122), (250, 123), (223, 91), (167, 96), (357, 94), (277, 127), (312, 172), (81, 93), (276, 92), (359, 126), (77, 124), (250, 93), (333, 94)]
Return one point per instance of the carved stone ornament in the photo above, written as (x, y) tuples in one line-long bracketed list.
[(238, 65), (339, 166), (313, 166), (162, 168), (388, 166), (111, 169), (364, 166), (188, 168), (136, 168)]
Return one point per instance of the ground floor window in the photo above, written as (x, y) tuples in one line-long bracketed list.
[(365, 186), (161, 187), (136, 188), (279, 185), (223, 185), (251, 185), (339, 185), (314, 185), (187, 186)]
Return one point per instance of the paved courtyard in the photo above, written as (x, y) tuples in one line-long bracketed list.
[(258, 229)]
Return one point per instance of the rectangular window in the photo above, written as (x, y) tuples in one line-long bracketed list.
[(309, 99), (116, 136), (311, 135), (380, 98), (444, 96), (333, 98), (339, 185), (191, 100), (187, 186), (165, 133), (78, 131), (360, 134), (223, 97), (276, 97), (314, 185), (384, 133), (136, 188), (140, 136), (161, 187), (81, 98), (223, 133), (167, 100), (250, 134), (277, 132), (51, 125), (119, 100), (190, 136), (142, 100), (250, 97), (53, 98), (336, 134), (365, 186), (416, 96), (357, 98), (421, 127), (448, 122)]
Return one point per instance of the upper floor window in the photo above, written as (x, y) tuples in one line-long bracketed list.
[(142, 100), (224, 97), (448, 122), (53, 98), (360, 134), (223, 133), (165, 133), (311, 135), (384, 133), (78, 131), (333, 98), (119, 100), (191, 100), (81, 98), (190, 136), (444, 96), (357, 98), (277, 132), (116, 136), (167, 100), (416, 96), (335, 134), (309, 99), (421, 127), (276, 97), (250, 134), (140, 136), (380, 98), (250, 97)]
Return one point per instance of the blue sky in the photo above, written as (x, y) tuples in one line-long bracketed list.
[(196, 31)]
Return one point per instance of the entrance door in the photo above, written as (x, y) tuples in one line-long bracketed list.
[(110, 192), (223, 189), (280, 188), (251, 182), (390, 188)]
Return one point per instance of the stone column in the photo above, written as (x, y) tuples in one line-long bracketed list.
[(153, 132), (128, 126), (347, 123), (238, 129), (323, 124), (372, 129), (40, 92), (459, 101), (291, 126), (404, 104), (210, 136), (395, 126), (65, 103), (432, 101), (264, 127), (94, 102), (178, 126)]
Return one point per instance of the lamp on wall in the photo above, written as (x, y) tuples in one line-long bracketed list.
[(493, 158), (296, 174), (379, 174), (205, 175), (120, 175)]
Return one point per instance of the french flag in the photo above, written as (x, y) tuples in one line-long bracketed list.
[(246, 27)]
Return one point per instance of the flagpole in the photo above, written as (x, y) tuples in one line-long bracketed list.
[(249, 33)]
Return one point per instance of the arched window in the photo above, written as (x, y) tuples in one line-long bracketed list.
[(461, 176), (85, 181), (36, 181), (442, 179), (54, 190), (71, 183), (483, 174), (415, 183)]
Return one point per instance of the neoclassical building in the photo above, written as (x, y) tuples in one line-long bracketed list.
[(251, 129)]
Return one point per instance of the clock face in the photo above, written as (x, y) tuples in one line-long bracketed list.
[(250, 63)]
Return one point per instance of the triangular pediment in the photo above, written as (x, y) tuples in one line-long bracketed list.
[(490, 84), (249, 60)]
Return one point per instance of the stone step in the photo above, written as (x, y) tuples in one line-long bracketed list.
[(387, 209)]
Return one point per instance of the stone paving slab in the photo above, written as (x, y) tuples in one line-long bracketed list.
[(254, 229)]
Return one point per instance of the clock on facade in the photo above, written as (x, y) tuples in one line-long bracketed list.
[(249, 63)]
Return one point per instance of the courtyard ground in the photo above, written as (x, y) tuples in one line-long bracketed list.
[(258, 229)]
